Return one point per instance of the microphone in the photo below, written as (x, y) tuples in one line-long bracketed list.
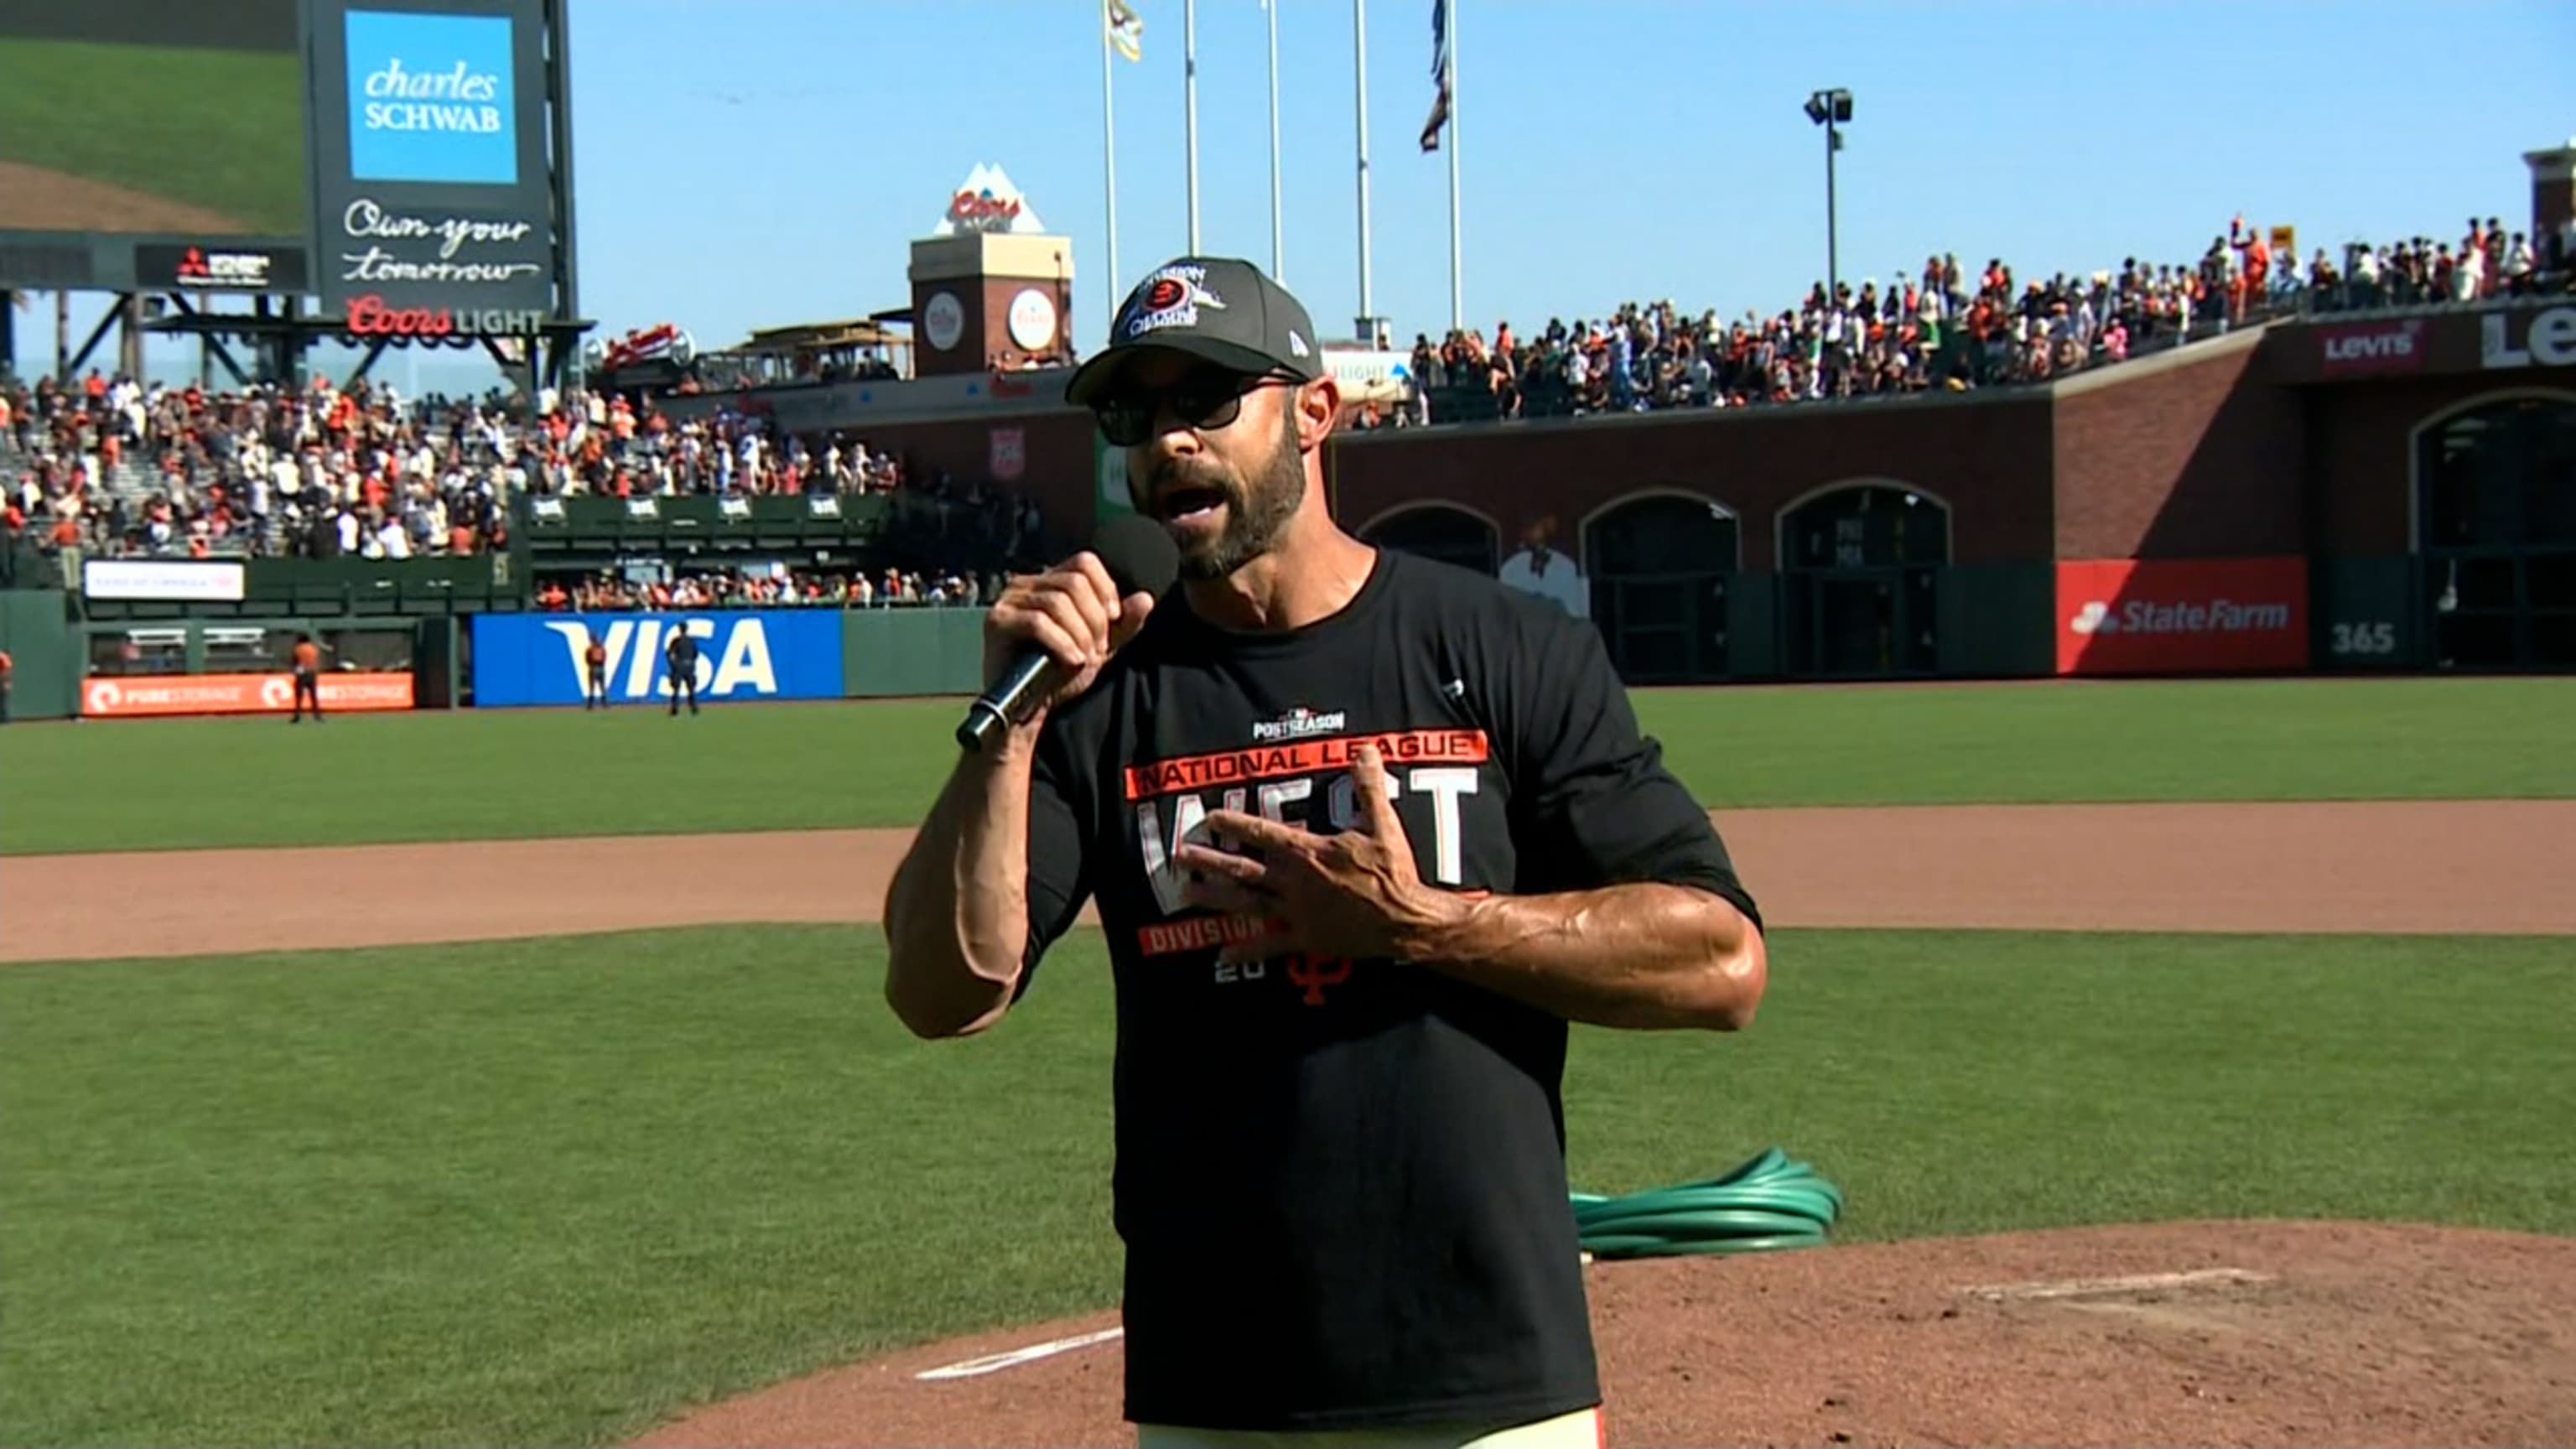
[(1141, 559)]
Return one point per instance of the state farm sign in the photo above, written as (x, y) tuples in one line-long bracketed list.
[(2546, 338), (2182, 616), (2361, 348)]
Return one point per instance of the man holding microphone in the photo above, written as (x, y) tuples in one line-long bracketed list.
[(1365, 833)]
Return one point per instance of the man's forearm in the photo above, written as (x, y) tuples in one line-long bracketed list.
[(956, 912), (1638, 956)]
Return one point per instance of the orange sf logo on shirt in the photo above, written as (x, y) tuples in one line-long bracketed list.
[(1314, 973)]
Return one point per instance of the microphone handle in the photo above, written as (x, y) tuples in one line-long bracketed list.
[(1003, 705)]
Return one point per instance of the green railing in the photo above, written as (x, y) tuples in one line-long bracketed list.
[(338, 587), (640, 526)]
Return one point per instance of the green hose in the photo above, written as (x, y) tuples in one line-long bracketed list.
[(1772, 1201)]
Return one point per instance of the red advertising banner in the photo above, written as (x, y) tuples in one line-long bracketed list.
[(131, 696), (2361, 348), (2182, 616)]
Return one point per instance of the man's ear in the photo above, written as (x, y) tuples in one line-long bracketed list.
[(1319, 411)]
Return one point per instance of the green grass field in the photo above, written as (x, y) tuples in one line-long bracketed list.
[(217, 129), (466, 775), (549, 1192)]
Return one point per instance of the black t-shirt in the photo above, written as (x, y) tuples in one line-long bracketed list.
[(1342, 1184)]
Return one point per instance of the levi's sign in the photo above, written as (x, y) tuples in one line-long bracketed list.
[(766, 654), (2546, 338), (2370, 347)]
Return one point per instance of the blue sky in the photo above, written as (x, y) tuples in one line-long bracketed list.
[(746, 163)]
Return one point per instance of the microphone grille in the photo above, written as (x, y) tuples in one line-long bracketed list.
[(1139, 554)]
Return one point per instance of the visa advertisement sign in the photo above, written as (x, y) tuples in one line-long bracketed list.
[(432, 98), (746, 655)]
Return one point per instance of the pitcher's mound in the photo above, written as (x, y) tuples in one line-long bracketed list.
[(2252, 1333)]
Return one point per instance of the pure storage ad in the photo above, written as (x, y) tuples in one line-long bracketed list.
[(431, 202), (768, 654), (133, 696), (2182, 616)]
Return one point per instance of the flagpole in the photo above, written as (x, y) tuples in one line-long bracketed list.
[(1359, 39), (1278, 263), (1190, 100), (1109, 164), (1457, 281)]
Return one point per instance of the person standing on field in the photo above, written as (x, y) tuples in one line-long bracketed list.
[(307, 657), (594, 658), (680, 651), (1365, 833)]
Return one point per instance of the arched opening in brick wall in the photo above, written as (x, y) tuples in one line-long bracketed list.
[(1657, 569), (2495, 523), (1450, 532), (1860, 566)]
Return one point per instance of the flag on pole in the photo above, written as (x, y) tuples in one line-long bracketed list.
[(1439, 121), (1126, 28)]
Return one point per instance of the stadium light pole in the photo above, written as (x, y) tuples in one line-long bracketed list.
[(1278, 247), (1190, 102), (1367, 321), (1831, 109)]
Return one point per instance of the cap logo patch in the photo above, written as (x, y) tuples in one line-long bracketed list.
[(1171, 297), (1296, 344)]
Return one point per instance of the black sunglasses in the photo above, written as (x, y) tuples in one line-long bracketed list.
[(1208, 398)]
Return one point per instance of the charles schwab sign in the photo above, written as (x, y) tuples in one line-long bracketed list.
[(430, 152)]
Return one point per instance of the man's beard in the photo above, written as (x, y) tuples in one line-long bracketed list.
[(1258, 508)]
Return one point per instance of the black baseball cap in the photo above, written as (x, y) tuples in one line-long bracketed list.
[(1221, 309)]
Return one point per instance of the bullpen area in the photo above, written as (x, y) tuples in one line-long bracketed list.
[(2193, 1058)]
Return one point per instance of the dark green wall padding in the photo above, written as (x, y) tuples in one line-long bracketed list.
[(896, 652), (44, 651)]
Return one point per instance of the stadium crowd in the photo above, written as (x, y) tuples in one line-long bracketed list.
[(1949, 329), (120, 469), (857, 589)]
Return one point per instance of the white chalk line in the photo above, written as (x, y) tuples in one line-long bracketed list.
[(2049, 1288), (2133, 1283), (1012, 1358)]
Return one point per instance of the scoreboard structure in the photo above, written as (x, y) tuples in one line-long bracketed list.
[(284, 172)]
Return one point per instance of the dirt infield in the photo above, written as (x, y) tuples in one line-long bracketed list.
[(2178, 1333), (35, 199), (2234, 1333), (2405, 866)]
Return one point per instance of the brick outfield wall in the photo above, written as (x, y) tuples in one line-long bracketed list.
[(2230, 448)]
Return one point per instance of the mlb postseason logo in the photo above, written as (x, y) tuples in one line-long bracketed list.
[(1171, 297), (1300, 723), (432, 98)]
